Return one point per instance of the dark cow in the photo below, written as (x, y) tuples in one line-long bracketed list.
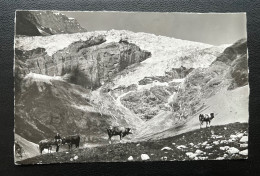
[(121, 131), (47, 144), (205, 118), (70, 140)]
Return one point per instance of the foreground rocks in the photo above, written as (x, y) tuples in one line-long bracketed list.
[(195, 145)]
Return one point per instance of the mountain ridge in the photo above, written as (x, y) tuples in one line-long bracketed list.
[(44, 23)]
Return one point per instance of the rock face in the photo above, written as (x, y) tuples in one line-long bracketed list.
[(175, 73), (229, 71), (88, 63), (42, 23), (58, 89)]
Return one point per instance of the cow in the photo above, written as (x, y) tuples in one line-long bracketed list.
[(70, 140), (205, 118), (47, 144), (121, 131)]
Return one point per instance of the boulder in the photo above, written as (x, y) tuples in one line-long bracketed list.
[(224, 148), (244, 139), (220, 158), (223, 142), (243, 145), (199, 152), (239, 135), (191, 155), (208, 147), (233, 136), (130, 158), (233, 150), (204, 143), (244, 152), (181, 147), (166, 148), (216, 142), (75, 157), (231, 140), (145, 157)]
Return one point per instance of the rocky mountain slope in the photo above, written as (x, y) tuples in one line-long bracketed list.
[(43, 23), (47, 105), (221, 88), (216, 143), (84, 82)]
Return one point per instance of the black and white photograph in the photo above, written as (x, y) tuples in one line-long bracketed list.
[(114, 86)]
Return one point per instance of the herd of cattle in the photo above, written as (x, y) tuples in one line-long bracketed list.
[(111, 131), (75, 139)]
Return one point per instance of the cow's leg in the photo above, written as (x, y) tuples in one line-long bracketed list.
[(209, 123), (120, 137), (109, 139), (57, 148)]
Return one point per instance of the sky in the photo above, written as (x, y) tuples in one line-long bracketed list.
[(211, 28)]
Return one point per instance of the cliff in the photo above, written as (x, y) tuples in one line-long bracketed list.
[(42, 23)]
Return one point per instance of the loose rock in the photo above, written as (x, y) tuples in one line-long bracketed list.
[(233, 150), (198, 152), (243, 145), (244, 152), (191, 155), (145, 157), (130, 158), (166, 148), (220, 158), (181, 147), (216, 142), (244, 139), (239, 135), (224, 148), (208, 147), (204, 143)]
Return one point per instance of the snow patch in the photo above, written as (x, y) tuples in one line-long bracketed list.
[(42, 78), (154, 83), (84, 108)]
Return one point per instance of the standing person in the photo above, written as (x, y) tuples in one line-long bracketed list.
[(57, 139)]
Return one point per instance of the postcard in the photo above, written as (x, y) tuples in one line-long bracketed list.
[(105, 86)]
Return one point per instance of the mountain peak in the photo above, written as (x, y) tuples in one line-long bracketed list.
[(42, 23)]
